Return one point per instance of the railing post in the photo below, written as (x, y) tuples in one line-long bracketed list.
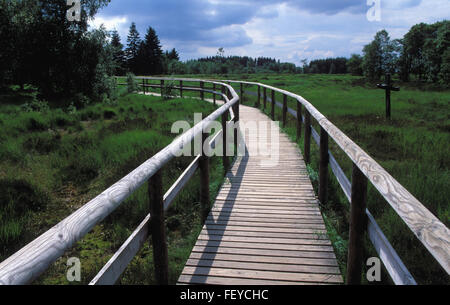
[(158, 229), (214, 95), (204, 178), (181, 88), (258, 103), (358, 225), (307, 136), (265, 96), (299, 120), (162, 87), (241, 95), (202, 94), (143, 86), (323, 166), (226, 161), (284, 109), (272, 111)]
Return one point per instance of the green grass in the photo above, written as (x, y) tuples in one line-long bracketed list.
[(54, 161), (412, 147)]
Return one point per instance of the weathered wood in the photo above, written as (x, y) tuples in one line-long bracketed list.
[(272, 110), (181, 182), (258, 103), (204, 179), (431, 232), (33, 259), (307, 140), (202, 94), (117, 264), (284, 109), (225, 157), (158, 229), (358, 225), (162, 87), (299, 121), (323, 166), (143, 86), (214, 95), (181, 88), (269, 215), (241, 91), (265, 97)]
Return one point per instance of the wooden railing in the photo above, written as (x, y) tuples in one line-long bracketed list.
[(32, 260), (29, 262), (431, 232)]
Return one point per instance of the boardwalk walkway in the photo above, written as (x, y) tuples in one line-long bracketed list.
[(265, 226)]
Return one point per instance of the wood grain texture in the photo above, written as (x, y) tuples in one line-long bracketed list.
[(428, 229), (34, 258), (265, 223)]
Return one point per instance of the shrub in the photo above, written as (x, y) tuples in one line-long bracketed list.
[(131, 83)]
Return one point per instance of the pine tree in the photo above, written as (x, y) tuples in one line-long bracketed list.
[(151, 54), (118, 53), (132, 51)]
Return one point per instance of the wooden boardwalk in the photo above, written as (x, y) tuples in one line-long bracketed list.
[(265, 226)]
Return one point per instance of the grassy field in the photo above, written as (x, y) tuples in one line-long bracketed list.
[(53, 160), (413, 147)]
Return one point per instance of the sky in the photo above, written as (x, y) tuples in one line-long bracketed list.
[(288, 30)]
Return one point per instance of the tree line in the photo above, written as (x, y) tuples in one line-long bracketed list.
[(66, 60)]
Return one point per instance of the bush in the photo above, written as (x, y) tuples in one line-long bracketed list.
[(131, 83)]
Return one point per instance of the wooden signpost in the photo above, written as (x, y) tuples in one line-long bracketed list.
[(388, 87)]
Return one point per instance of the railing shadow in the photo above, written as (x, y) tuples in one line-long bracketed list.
[(208, 255)]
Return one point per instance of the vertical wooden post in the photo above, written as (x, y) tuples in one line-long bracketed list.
[(143, 86), (236, 122), (299, 120), (226, 161), (181, 88), (223, 92), (284, 109), (388, 96), (241, 96), (214, 95), (158, 229), (307, 136), (272, 111), (202, 94), (358, 224), (323, 166), (265, 97), (162, 87), (204, 178), (258, 103)]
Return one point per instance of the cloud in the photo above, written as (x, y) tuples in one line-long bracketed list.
[(286, 29)]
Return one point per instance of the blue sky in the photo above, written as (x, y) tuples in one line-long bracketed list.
[(289, 30)]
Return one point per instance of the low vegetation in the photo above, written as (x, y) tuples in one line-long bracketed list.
[(53, 160), (412, 147)]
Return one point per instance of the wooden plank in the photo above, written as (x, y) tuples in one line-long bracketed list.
[(266, 259), (29, 262), (297, 268), (117, 264), (263, 252), (217, 280), (250, 240), (265, 275), (433, 234), (291, 247)]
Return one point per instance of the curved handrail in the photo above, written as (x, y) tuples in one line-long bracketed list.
[(431, 232), (29, 262)]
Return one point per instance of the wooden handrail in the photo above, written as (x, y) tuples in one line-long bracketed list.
[(29, 262), (428, 229)]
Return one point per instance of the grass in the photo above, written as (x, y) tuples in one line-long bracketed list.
[(54, 161), (412, 147)]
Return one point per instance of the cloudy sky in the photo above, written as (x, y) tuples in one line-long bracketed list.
[(289, 30)]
